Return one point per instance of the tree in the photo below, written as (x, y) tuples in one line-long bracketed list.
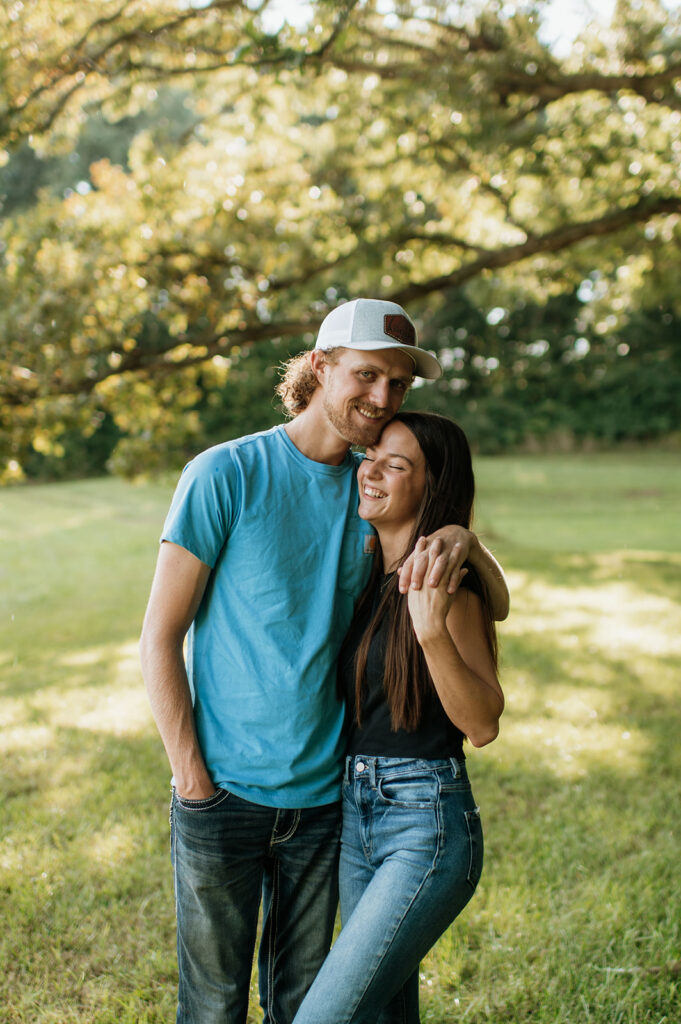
[(415, 155)]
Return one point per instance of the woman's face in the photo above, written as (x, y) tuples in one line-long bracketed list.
[(392, 478)]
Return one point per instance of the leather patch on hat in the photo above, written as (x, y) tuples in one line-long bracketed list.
[(396, 326)]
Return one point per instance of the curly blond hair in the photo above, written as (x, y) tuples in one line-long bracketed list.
[(298, 381)]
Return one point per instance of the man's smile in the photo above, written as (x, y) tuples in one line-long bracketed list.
[(370, 412)]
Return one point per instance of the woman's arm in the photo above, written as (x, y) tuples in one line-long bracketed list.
[(451, 631)]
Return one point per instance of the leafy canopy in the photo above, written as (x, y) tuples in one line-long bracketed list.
[(435, 155)]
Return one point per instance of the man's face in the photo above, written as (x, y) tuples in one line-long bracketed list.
[(362, 391)]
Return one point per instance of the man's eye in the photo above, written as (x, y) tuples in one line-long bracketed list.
[(401, 385)]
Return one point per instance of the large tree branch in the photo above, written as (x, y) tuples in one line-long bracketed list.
[(159, 360), (163, 360), (75, 59), (551, 84), (102, 51), (553, 241), (71, 70), (546, 85)]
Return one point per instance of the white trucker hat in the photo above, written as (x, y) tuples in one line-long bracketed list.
[(370, 324)]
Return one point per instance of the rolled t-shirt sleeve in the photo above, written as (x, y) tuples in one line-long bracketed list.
[(203, 506)]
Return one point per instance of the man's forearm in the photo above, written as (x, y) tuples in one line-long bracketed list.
[(492, 575), (455, 545), (167, 686)]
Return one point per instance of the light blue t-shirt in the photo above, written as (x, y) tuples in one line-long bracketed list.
[(289, 556)]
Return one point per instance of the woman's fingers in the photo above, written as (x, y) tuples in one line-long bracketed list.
[(413, 572)]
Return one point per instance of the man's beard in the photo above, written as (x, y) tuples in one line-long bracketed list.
[(350, 429)]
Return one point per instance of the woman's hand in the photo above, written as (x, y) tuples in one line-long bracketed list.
[(451, 545), (429, 606), (455, 545)]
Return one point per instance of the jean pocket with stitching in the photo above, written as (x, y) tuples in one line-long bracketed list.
[(207, 804), (410, 791)]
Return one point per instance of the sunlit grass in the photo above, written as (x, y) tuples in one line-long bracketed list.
[(577, 915)]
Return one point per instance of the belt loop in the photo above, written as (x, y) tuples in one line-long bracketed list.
[(372, 771), (455, 767), (346, 770)]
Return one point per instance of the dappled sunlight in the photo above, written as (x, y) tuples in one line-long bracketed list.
[(614, 618), (76, 659), (123, 712), (119, 708), (12, 856), (123, 656), (571, 750), (579, 658), (110, 846), (19, 736)]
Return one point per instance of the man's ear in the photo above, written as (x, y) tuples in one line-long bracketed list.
[(318, 363)]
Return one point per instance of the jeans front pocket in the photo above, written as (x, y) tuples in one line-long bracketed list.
[(410, 790), (207, 804)]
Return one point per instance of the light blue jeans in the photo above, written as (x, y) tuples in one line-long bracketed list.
[(228, 853), (411, 857)]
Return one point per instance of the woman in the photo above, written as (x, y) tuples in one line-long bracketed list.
[(419, 673)]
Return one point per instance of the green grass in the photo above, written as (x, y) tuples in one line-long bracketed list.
[(577, 917)]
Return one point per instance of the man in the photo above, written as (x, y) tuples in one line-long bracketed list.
[(262, 559)]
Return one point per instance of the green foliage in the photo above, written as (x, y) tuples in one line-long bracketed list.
[(244, 178), (246, 403), (27, 173), (549, 376), (77, 454), (577, 915)]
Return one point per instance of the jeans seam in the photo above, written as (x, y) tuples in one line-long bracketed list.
[(291, 832), (271, 948)]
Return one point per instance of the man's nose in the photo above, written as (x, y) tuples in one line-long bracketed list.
[(380, 393)]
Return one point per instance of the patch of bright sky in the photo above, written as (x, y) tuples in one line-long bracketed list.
[(562, 20), (565, 19)]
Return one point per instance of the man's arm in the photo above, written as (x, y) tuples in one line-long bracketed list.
[(456, 545), (179, 583)]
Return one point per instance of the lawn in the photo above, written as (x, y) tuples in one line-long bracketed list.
[(578, 915)]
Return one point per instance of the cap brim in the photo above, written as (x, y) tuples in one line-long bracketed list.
[(425, 365)]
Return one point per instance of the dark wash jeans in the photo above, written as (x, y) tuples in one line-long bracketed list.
[(411, 858), (227, 853)]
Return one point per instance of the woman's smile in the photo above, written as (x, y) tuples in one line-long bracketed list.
[(392, 478), (371, 492)]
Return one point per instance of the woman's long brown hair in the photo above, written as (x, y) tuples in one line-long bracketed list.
[(447, 499)]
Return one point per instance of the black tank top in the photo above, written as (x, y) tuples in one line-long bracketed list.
[(435, 737)]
